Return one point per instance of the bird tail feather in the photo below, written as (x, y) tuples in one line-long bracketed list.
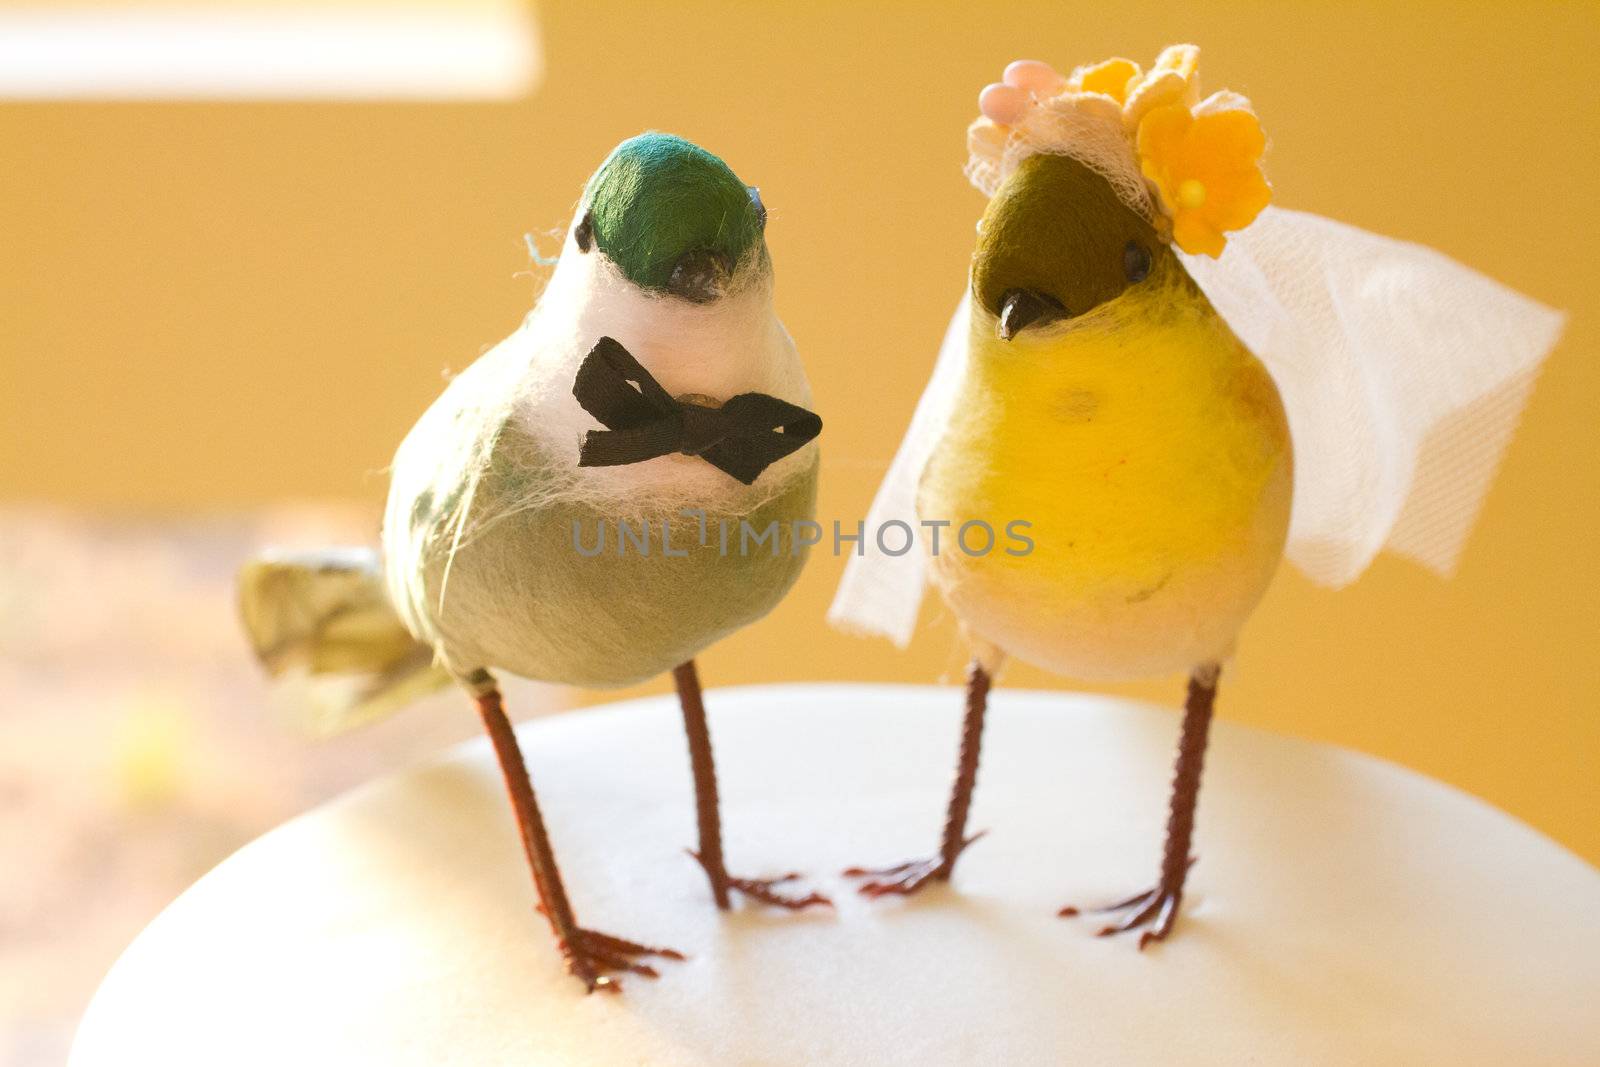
[(322, 625)]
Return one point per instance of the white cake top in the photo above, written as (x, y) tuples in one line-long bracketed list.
[(1344, 911)]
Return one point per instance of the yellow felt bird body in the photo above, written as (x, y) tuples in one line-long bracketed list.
[(1148, 452)]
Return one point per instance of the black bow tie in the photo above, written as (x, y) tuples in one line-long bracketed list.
[(742, 437)]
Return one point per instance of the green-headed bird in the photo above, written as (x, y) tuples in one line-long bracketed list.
[(607, 492)]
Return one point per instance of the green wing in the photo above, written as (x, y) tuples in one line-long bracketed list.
[(323, 619)]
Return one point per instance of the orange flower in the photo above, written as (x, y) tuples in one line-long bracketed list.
[(1205, 167)]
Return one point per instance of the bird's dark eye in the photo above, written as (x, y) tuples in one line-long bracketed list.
[(583, 234), (761, 209), (1135, 261)]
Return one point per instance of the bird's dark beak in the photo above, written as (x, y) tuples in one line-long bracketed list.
[(1021, 308), (700, 277)]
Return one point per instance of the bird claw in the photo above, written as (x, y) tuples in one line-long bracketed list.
[(905, 879), (761, 889), (1155, 908), (590, 954)]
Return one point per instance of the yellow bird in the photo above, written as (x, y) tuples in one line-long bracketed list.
[(1109, 406), (1097, 401)]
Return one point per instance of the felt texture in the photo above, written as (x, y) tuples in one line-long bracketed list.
[(1149, 451), (478, 543), (658, 198), (521, 596), (1058, 228), (1343, 911)]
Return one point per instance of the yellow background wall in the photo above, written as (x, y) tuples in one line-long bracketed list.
[(218, 306)]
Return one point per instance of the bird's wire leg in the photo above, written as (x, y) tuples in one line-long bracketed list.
[(1157, 908), (903, 879), (530, 822), (708, 812), (588, 954), (707, 805), (955, 826)]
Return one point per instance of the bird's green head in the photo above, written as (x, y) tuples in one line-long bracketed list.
[(1056, 242), (673, 218)]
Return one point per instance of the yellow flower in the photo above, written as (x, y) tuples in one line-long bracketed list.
[(1110, 78), (1205, 167), (1175, 79)]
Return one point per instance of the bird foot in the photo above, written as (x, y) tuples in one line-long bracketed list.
[(1156, 909), (904, 879), (591, 954), (762, 889)]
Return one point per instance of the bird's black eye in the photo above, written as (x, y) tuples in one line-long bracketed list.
[(761, 209), (583, 234), (1135, 261)]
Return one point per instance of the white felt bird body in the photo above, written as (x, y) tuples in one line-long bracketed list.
[(605, 493), (490, 516)]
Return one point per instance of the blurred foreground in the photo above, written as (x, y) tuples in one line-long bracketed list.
[(139, 745)]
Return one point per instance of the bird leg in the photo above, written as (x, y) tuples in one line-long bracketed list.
[(903, 879), (708, 809), (588, 954), (1157, 909)]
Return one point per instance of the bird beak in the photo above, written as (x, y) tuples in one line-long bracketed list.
[(700, 277), (1021, 308)]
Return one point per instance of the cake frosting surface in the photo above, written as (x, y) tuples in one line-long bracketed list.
[(1343, 910)]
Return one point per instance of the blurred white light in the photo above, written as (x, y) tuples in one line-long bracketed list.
[(443, 51)]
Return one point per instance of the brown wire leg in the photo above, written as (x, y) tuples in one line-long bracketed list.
[(588, 954), (903, 879), (1158, 908), (708, 808)]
